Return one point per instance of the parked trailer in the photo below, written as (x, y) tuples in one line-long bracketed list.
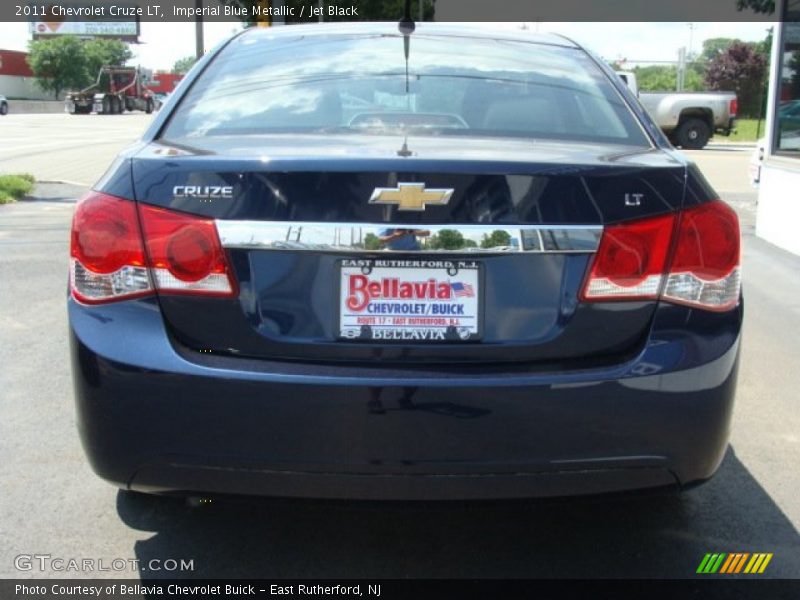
[(117, 89)]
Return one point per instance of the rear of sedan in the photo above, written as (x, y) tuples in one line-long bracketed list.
[(345, 264)]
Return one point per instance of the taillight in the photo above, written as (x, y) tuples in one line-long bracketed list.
[(107, 258), (186, 256), (113, 259), (634, 261), (705, 266), (631, 260), (733, 108)]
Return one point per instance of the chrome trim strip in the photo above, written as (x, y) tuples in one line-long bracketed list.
[(349, 238)]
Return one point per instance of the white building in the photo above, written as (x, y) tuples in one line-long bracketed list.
[(778, 218)]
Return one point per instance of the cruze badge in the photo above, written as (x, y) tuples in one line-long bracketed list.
[(203, 192), (411, 196)]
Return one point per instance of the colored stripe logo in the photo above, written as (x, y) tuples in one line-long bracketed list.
[(734, 562)]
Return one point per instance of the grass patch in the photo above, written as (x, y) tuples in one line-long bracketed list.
[(13, 187), (746, 131)]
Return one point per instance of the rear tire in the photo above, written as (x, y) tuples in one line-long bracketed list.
[(148, 108), (116, 106), (693, 134), (106, 105), (4, 108)]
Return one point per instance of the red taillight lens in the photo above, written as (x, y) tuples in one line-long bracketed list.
[(107, 257), (733, 108), (109, 262), (105, 234), (705, 267), (708, 241), (191, 254), (631, 260), (185, 253)]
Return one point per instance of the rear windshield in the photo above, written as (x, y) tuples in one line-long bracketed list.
[(363, 84)]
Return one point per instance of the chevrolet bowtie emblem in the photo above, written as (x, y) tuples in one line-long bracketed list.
[(411, 196)]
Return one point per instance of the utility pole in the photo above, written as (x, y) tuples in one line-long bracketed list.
[(199, 44), (681, 68)]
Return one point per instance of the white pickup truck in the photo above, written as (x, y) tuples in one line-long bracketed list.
[(688, 118)]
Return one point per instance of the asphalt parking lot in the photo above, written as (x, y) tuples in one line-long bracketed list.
[(51, 503), (62, 147)]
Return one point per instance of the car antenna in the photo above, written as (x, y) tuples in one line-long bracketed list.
[(407, 27), (404, 151), (406, 24)]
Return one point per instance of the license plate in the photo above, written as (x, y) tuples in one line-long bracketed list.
[(410, 300)]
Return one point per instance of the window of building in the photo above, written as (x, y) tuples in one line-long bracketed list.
[(787, 116)]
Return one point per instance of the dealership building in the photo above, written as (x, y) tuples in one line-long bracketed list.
[(16, 77), (779, 189)]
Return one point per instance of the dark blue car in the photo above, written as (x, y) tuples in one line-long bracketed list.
[(349, 262)]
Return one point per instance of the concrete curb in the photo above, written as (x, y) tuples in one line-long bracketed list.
[(750, 145), (21, 107), (65, 182)]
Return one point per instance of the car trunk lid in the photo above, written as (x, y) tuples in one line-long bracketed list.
[(302, 222)]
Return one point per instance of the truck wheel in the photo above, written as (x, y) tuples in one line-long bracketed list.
[(106, 105), (693, 134), (3, 108), (148, 108)]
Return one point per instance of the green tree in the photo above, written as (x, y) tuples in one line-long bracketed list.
[(712, 47), (496, 239), (656, 78), (765, 46), (765, 7), (446, 239), (694, 81), (101, 52), (372, 242), (182, 65), (58, 64), (660, 78), (741, 69), (66, 62)]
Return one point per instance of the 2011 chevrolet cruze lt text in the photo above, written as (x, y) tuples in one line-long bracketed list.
[(352, 261)]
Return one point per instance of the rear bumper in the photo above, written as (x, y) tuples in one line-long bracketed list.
[(155, 418), (728, 128)]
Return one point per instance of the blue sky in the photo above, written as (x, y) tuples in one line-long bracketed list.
[(164, 43)]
